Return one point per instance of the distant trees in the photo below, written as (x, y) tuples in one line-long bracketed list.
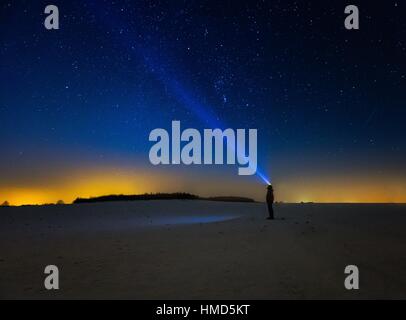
[(5, 204), (146, 196), (60, 203), (160, 196)]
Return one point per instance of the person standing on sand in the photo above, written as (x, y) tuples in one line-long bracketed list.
[(269, 200)]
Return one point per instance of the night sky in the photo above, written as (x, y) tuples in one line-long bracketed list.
[(77, 104)]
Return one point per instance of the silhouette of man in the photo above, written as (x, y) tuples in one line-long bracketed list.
[(269, 200)]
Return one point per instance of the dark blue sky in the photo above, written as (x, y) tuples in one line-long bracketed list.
[(321, 97)]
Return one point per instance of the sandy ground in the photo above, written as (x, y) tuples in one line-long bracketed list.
[(203, 250)]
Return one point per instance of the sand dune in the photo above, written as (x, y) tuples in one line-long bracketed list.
[(203, 249)]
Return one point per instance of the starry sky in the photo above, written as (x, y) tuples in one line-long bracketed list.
[(77, 104)]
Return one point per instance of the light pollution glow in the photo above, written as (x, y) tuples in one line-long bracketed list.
[(110, 180)]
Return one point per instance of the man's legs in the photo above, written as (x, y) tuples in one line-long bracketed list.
[(270, 209)]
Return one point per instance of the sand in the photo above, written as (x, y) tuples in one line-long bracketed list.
[(203, 250)]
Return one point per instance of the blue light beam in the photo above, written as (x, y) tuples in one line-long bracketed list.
[(157, 67)]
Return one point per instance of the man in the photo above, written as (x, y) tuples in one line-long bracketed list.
[(269, 200)]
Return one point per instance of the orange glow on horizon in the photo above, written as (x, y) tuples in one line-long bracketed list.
[(89, 183), (345, 189), (105, 181)]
